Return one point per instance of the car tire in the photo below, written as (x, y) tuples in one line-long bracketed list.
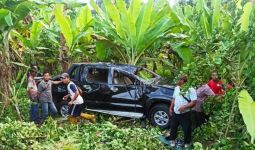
[(159, 116), (63, 109)]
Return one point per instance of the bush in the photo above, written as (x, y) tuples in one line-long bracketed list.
[(23, 135)]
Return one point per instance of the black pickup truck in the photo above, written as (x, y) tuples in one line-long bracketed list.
[(118, 89)]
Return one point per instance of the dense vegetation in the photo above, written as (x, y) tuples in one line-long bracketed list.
[(192, 37)]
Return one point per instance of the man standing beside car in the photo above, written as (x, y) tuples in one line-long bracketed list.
[(32, 92), (180, 109), (45, 95)]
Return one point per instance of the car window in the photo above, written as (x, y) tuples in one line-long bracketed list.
[(120, 78), (97, 75), (146, 75), (74, 73)]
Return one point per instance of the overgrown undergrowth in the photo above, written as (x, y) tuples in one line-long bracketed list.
[(110, 133)]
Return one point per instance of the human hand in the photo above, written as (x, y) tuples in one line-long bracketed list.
[(182, 108), (70, 103), (65, 97)]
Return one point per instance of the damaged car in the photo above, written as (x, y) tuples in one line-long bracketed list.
[(119, 89)]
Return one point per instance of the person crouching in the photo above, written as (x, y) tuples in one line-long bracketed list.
[(76, 102)]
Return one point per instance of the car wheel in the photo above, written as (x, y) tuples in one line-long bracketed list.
[(63, 109), (159, 116)]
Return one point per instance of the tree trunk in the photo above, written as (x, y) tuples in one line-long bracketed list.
[(63, 54), (5, 73)]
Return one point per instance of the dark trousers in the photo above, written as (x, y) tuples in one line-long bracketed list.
[(75, 110), (185, 122), (198, 118)]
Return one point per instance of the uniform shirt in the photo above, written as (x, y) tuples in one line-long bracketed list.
[(32, 85), (216, 87), (72, 88), (203, 93), (180, 100), (45, 91)]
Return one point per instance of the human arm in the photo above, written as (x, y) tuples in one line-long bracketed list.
[(74, 98), (75, 90), (193, 99), (187, 106), (171, 107), (56, 82), (66, 97)]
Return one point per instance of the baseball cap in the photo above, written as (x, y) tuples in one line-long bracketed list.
[(184, 78), (64, 75)]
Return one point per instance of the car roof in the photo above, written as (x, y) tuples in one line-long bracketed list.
[(125, 67)]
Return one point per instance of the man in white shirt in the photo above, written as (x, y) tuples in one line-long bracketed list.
[(76, 103), (180, 109)]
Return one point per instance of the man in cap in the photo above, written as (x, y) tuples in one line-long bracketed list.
[(76, 102)]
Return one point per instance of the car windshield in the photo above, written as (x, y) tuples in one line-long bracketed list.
[(146, 75)]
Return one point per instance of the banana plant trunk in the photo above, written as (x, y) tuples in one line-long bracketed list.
[(63, 54), (5, 72)]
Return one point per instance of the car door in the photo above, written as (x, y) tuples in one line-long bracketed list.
[(124, 92), (94, 81)]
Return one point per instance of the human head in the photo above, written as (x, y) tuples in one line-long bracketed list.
[(215, 76), (46, 76), (33, 72), (65, 78), (35, 67), (183, 79)]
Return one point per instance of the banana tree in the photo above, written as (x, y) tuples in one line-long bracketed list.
[(56, 30), (126, 33), (75, 31), (11, 13)]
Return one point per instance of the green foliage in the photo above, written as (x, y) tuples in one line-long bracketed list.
[(74, 29), (245, 18), (64, 23), (211, 134), (103, 135), (11, 15), (247, 107), (190, 38), (19, 135), (36, 30), (131, 31)]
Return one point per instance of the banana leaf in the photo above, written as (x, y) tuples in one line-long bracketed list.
[(3, 14), (64, 24), (35, 33), (245, 18), (216, 4), (247, 109), (83, 18)]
